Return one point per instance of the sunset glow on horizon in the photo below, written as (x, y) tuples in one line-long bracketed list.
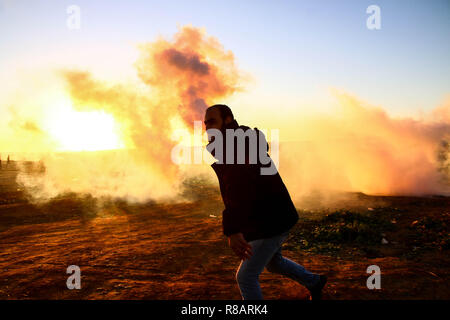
[(83, 131)]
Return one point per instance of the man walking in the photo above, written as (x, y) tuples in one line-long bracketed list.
[(258, 211)]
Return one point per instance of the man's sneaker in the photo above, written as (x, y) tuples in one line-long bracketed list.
[(316, 291)]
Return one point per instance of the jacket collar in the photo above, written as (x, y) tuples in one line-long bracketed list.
[(232, 125)]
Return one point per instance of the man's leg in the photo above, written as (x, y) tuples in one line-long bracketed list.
[(247, 275), (284, 266)]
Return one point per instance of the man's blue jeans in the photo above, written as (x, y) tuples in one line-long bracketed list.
[(267, 253)]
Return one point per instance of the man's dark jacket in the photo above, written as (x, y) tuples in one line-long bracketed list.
[(259, 206)]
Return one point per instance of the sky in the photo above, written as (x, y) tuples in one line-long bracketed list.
[(292, 51), (119, 80)]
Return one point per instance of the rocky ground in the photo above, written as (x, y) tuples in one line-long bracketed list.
[(177, 250)]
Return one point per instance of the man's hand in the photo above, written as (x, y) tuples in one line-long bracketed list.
[(241, 247)]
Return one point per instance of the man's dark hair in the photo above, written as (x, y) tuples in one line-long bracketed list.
[(224, 110)]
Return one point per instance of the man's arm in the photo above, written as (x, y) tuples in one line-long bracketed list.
[(241, 247), (239, 195)]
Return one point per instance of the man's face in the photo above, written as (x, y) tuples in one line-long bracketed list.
[(213, 119)]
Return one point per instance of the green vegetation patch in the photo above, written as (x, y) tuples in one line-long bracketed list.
[(340, 228)]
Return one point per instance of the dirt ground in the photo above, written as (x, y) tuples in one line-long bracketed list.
[(177, 251)]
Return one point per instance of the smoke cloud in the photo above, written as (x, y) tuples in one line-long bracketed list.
[(181, 78), (360, 148)]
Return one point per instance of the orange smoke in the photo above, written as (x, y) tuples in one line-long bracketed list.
[(361, 148), (183, 77), (189, 73)]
